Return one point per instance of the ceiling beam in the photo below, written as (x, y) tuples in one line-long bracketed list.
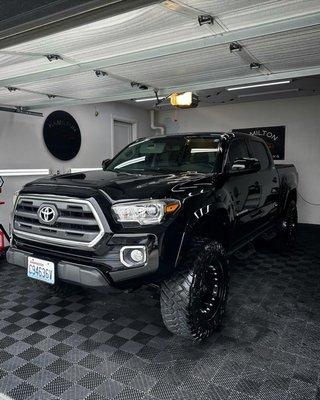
[(271, 28), (116, 97), (21, 110), (193, 87), (60, 15)]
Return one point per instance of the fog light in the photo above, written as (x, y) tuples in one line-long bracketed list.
[(133, 256), (137, 255)]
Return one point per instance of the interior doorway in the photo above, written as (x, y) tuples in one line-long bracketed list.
[(124, 132)]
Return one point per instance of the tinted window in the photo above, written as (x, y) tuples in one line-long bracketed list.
[(260, 152), (237, 150), (176, 154)]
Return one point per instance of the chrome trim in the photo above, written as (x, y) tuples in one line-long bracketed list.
[(62, 242), (143, 262), (242, 212)]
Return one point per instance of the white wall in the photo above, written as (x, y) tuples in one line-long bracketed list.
[(301, 116), (22, 145)]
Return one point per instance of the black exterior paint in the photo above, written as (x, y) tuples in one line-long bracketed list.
[(233, 208)]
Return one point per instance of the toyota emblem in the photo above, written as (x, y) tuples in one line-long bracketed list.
[(47, 214)]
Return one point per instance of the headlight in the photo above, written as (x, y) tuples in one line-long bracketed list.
[(145, 212)]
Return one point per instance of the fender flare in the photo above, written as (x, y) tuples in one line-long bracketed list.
[(204, 216)]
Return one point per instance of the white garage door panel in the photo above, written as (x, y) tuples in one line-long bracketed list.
[(19, 98), (218, 7), (12, 59), (24, 67), (293, 64), (299, 42), (236, 14), (269, 11), (108, 38), (300, 49), (79, 85), (179, 64), (217, 75), (154, 27)]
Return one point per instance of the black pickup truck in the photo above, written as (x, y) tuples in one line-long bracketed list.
[(166, 210)]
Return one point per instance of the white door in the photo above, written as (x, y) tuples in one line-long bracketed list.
[(122, 135)]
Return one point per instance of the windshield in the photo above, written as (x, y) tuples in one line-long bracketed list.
[(176, 154)]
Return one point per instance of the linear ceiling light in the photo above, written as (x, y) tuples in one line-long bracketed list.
[(240, 96), (73, 170), (259, 85), (24, 172), (149, 99)]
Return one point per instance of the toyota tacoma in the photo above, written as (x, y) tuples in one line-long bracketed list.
[(167, 210)]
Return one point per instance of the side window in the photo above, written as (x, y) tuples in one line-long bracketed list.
[(237, 150), (260, 152)]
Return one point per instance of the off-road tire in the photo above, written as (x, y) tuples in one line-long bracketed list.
[(193, 300), (58, 289)]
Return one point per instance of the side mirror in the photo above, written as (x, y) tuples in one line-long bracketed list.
[(245, 165), (105, 163)]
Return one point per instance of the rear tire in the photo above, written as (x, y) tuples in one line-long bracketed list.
[(58, 289), (193, 301), (289, 225)]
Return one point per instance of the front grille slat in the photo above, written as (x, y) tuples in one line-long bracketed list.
[(60, 220), (76, 220)]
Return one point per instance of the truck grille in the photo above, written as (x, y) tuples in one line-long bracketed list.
[(57, 220)]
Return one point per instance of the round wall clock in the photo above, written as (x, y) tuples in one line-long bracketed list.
[(62, 135)]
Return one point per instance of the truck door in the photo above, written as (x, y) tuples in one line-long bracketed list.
[(269, 180), (245, 192)]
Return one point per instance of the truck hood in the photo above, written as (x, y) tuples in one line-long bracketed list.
[(120, 185)]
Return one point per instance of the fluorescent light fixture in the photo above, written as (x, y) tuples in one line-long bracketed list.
[(149, 99), (24, 172), (74, 170), (266, 93), (206, 150), (259, 85)]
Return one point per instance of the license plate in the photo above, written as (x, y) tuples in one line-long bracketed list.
[(41, 270)]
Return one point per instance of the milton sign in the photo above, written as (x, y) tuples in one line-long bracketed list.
[(274, 136)]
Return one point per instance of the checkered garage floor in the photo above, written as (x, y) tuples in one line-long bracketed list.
[(116, 347)]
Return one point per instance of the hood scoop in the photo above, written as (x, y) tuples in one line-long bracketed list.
[(70, 176)]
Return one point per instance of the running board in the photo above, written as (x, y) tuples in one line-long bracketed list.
[(245, 252)]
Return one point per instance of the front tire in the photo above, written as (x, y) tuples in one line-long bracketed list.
[(193, 301)]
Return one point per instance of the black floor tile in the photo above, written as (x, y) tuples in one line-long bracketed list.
[(90, 347)]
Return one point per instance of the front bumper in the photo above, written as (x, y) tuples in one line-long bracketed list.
[(93, 272)]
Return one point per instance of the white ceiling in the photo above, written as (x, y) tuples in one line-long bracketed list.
[(166, 50)]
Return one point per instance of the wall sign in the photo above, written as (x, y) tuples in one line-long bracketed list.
[(274, 136), (62, 135)]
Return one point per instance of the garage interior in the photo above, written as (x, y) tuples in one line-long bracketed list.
[(112, 65)]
